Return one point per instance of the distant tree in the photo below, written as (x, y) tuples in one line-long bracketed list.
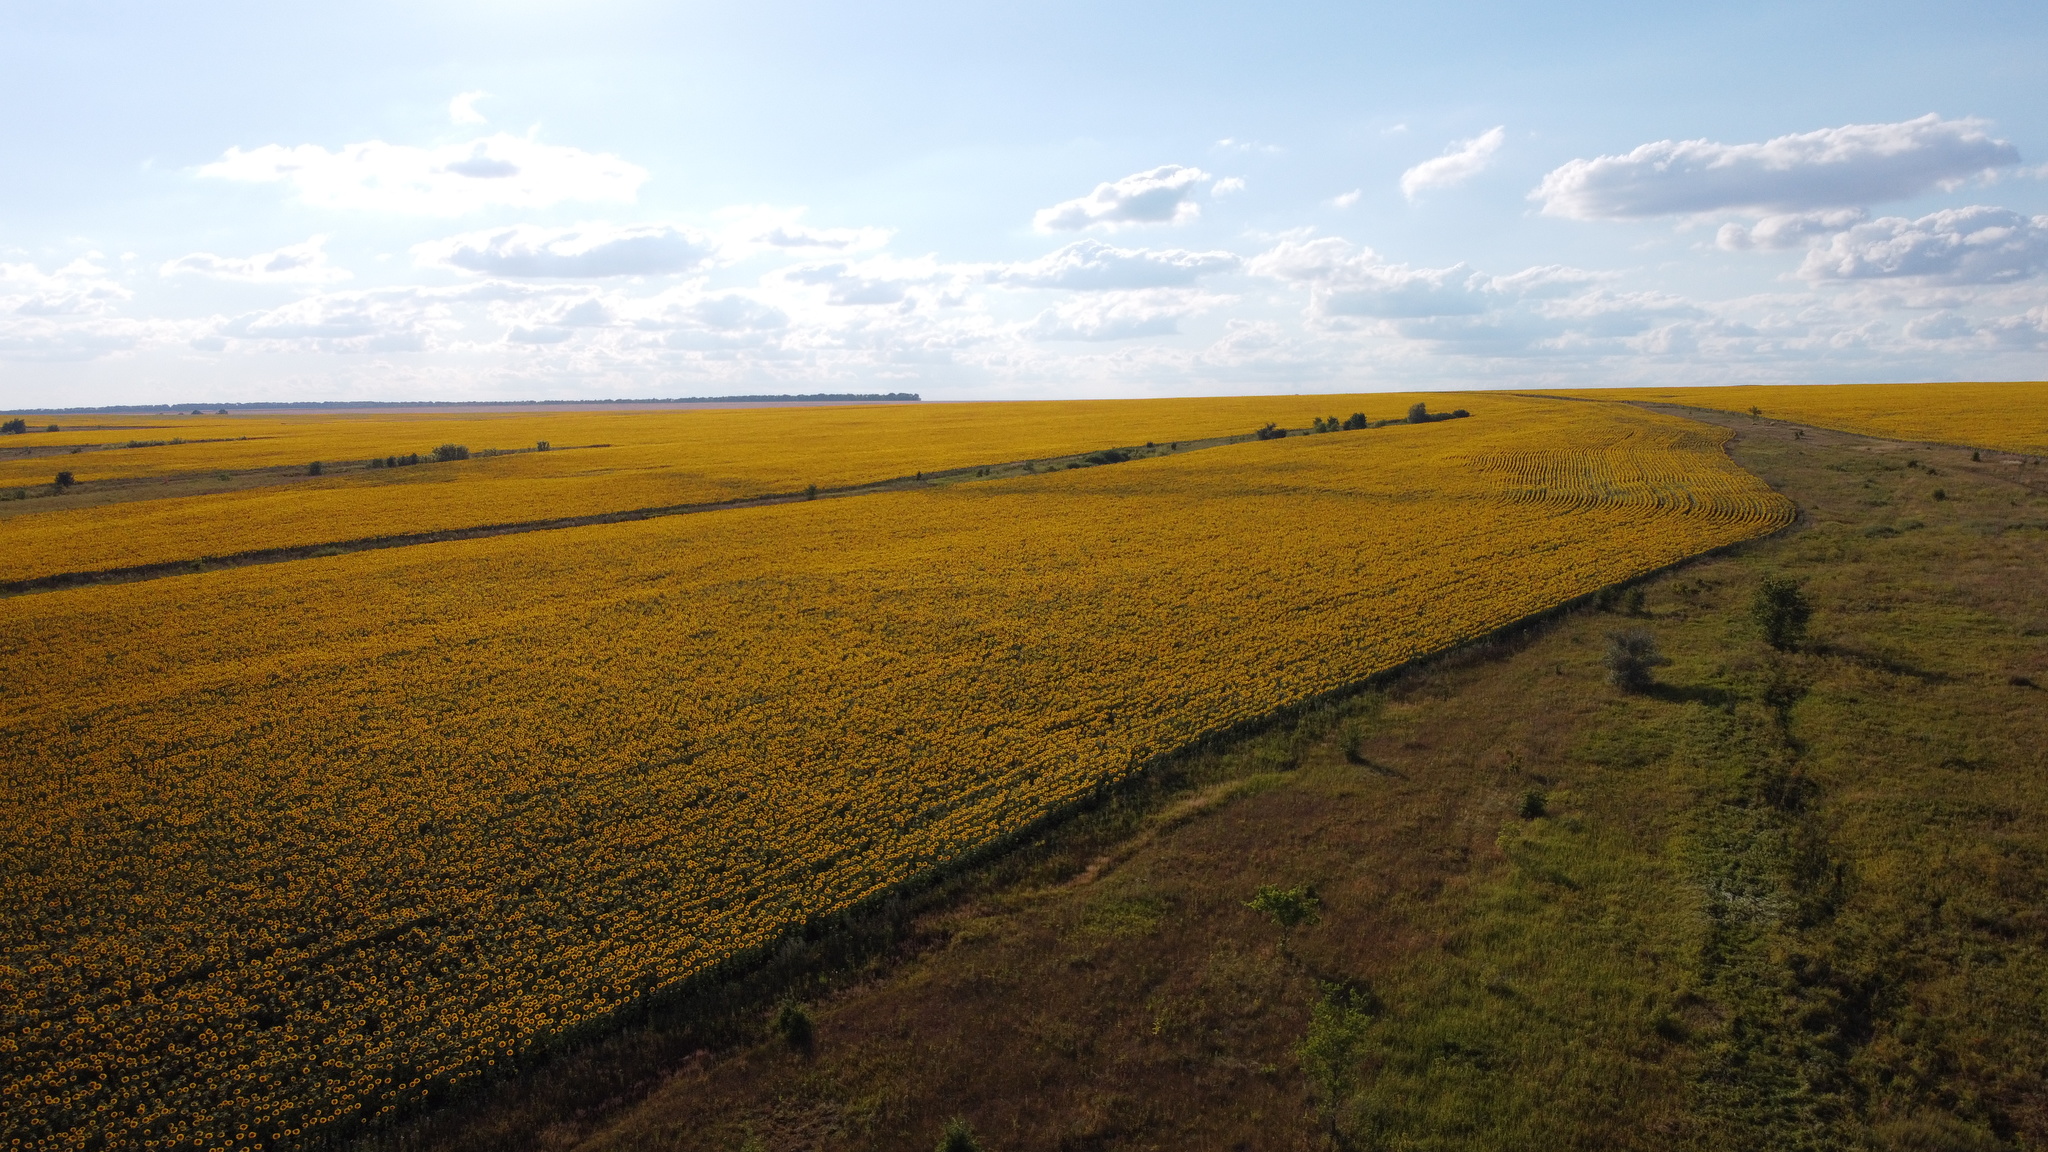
[(1755, 412), (13, 427), (1632, 659), (1459, 413), (1782, 611), (811, 492), (64, 481), (1418, 413), (958, 1137), (543, 446), (313, 469), (1270, 432), (1354, 421), (447, 452), (51, 428)]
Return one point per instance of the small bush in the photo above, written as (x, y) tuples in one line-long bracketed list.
[(1977, 456), (447, 452), (1270, 432), (13, 427), (958, 1137), (1782, 611), (1534, 804), (811, 492), (1289, 907), (1940, 494), (64, 481), (1418, 413), (313, 469), (1106, 456), (51, 428), (1354, 421), (793, 1023), (543, 446), (1632, 659), (1633, 602)]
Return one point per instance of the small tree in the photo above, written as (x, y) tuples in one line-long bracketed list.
[(1270, 432), (1418, 413), (1354, 421), (1632, 659), (811, 492), (958, 1137), (447, 452), (542, 446), (64, 481), (313, 469), (13, 427), (1781, 610)]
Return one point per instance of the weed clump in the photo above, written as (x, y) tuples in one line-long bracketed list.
[(958, 1137), (1632, 659)]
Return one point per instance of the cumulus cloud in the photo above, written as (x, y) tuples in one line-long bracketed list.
[(1459, 163), (527, 251), (1830, 168), (1117, 315), (1164, 195), (1787, 230), (879, 281), (446, 181), (69, 314), (1092, 266), (1974, 245), (749, 229), (1347, 199), (302, 263), (80, 288), (1227, 186), (1349, 280)]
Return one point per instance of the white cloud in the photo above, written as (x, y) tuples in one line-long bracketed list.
[(1347, 199), (1459, 163), (68, 314), (1247, 146), (1092, 266), (868, 282), (1164, 195), (1117, 315), (1830, 168), (445, 181), (1227, 186), (527, 251), (80, 288), (462, 109), (749, 229), (301, 263), (1787, 230), (1974, 245)]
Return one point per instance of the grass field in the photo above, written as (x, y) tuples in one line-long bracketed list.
[(1781, 900), (222, 493), (292, 849), (2009, 416)]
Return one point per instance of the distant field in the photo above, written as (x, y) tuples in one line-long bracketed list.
[(2012, 416), (289, 848), (651, 459)]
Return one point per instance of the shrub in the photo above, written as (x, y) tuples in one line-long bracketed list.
[(1941, 494), (1633, 602), (958, 1137), (51, 428), (1781, 610), (447, 452), (1354, 421), (543, 446), (313, 469), (1106, 456), (1632, 659), (1418, 413), (1976, 455), (1534, 804), (13, 427), (1289, 907), (793, 1023), (1270, 432), (811, 492), (64, 481)]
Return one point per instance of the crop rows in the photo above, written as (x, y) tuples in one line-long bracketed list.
[(650, 459), (287, 849)]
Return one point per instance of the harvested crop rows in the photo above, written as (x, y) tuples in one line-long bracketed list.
[(288, 849)]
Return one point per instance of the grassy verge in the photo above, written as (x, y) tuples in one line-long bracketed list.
[(1781, 900)]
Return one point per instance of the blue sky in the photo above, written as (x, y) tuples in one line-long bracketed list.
[(521, 200)]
